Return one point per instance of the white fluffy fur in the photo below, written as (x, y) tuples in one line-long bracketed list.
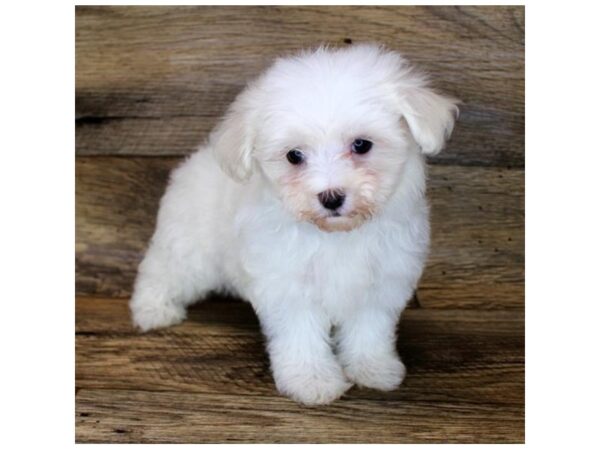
[(328, 290)]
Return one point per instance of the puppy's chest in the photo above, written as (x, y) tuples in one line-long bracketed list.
[(341, 273), (329, 268)]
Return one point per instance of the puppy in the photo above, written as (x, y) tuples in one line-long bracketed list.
[(308, 200)]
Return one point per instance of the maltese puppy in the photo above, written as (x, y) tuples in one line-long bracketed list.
[(308, 200)]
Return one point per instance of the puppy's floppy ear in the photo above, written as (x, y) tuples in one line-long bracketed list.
[(232, 141), (430, 116)]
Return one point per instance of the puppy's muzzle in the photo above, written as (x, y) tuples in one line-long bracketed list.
[(332, 199)]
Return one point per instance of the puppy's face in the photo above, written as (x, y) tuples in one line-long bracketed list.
[(330, 132), (333, 161)]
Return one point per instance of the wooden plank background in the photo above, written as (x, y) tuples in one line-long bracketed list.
[(154, 81), (151, 82)]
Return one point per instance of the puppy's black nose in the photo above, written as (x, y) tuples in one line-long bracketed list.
[(332, 199)]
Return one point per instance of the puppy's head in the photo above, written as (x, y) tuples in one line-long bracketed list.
[(330, 131)]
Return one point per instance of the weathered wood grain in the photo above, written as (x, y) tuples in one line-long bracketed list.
[(154, 80), (208, 380), (116, 201), (478, 239), (105, 416), (477, 255)]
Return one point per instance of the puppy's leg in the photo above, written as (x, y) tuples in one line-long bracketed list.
[(166, 284), (302, 360), (366, 343)]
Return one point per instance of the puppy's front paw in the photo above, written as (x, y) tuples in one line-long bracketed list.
[(382, 373), (313, 386), (148, 317)]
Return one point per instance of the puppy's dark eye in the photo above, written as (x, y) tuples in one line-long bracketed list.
[(361, 146), (295, 157)]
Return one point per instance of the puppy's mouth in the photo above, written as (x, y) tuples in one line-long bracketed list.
[(336, 221), (341, 219)]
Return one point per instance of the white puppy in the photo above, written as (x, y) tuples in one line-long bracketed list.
[(308, 201)]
